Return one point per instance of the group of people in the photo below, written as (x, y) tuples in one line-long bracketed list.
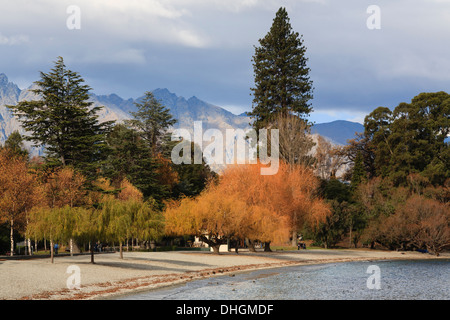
[(97, 247)]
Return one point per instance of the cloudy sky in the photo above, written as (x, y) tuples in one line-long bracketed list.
[(204, 48)]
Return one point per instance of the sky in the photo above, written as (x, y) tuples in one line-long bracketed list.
[(204, 48)]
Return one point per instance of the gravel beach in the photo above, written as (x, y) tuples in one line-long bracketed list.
[(38, 278)]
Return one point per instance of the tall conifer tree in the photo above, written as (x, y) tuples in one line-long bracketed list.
[(152, 120), (282, 81), (64, 121)]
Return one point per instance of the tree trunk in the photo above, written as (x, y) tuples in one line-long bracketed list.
[(12, 237), (294, 238), (216, 248), (215, 244), (51, 250), (267, 247), (71, 247), (29, 246), (92, 254), (121, 250), (251, 246), (350, 241)]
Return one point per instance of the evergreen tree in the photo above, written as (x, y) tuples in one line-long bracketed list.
[(358, 172), (193, 178), (419, 130), (14, 143), (282, 81), (152, 120), (410, 139), (64, 121), (130, 158), (377, 131)]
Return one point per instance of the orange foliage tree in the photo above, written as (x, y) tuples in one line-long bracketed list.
[(166, 175), (418, 223), (17, 192), (64, 187), (291, 193), (246, 204)]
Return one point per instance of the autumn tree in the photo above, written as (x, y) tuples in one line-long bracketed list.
[(64, 187), (128, 216), (418, 223), (17, 192), (246, 204), (166, 174), (89, 227), (118, 214), (329, 158), (56, 224), (295, 142), (293, 193)]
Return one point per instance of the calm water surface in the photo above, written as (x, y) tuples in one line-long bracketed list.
[(412, 280)]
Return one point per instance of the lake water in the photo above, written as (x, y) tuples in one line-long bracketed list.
[(398, 280)]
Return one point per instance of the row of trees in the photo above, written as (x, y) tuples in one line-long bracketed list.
[(114, 181), (76, 192), (58, 207), (65, 122)]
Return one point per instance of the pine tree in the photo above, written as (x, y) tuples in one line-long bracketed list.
[(130, 158), (64, 121), (152, 120), (282, 81)]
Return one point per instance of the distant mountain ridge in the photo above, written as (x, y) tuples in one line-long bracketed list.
[(338, 131), (186, 111)]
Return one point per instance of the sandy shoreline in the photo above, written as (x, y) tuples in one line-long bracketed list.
[(139, 271)]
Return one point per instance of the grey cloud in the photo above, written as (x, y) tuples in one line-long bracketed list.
[(204, 48)]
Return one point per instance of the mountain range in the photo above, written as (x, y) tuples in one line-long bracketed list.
[(186, 111)]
